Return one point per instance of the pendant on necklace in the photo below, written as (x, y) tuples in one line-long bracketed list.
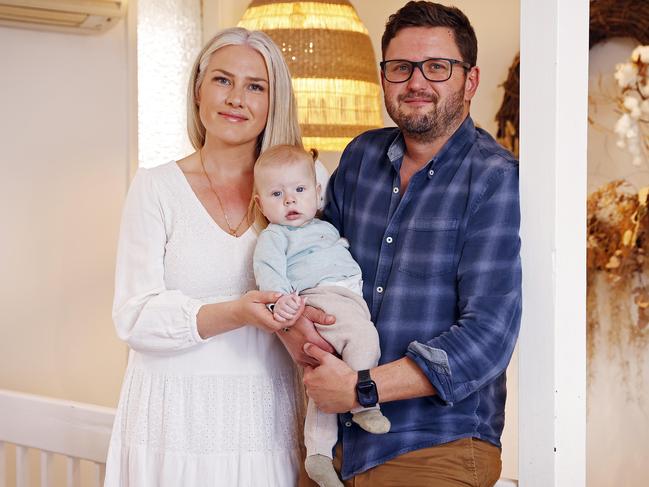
[(233, 232)]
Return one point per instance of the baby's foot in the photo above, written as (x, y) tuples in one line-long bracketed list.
[(372, 421), (321, 470)]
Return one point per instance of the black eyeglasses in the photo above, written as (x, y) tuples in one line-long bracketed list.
[(434, 69)]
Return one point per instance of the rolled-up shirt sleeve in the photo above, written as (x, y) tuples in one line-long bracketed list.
[(149, 317), (477, 349)]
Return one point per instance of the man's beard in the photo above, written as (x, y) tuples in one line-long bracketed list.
[(439, 121)]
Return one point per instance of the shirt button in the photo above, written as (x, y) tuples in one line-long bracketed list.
[(395, 190), (379, 289), (348, 424), (431, 172), (388, 240)]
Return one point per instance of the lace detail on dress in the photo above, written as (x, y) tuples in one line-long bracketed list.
[(201, 259), (210, 414)]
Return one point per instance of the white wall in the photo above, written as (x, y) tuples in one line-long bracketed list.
[(618, 418), (63, 154)]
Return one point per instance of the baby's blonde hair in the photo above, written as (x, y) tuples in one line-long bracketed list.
[(284, 155), (278, 156)]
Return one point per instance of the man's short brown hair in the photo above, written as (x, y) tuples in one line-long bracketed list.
[(429, 14)]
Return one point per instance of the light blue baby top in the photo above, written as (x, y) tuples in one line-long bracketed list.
[(291, 259)]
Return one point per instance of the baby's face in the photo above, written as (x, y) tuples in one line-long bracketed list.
[(288, 194)]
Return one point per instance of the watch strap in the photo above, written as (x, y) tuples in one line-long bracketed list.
[(364, 376)]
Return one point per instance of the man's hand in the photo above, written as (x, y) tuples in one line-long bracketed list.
[(304, 332), (332, 384)]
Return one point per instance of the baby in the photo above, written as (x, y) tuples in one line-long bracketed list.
[(305, 258)]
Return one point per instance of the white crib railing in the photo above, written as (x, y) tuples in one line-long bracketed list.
[(75, 430)]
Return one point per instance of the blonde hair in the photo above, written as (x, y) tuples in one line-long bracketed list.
[(278, 156), (281, 126), (285, 155)]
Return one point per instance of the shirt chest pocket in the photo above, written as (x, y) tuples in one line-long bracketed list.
[(429, 247)]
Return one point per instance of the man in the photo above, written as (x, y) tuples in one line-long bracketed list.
[(431, 210)]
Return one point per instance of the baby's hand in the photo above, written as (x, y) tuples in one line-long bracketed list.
[(286, 307)]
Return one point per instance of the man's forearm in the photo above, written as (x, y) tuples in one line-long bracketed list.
[(401, 379)]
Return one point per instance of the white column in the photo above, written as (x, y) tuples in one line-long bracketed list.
[(553, 122)]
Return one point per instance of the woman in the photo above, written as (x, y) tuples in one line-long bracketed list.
[(210, 396)]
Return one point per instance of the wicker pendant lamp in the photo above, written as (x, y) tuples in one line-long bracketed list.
[(330, 56)]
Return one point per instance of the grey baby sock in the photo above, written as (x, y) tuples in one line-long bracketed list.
[(321, 470), (372, 421)]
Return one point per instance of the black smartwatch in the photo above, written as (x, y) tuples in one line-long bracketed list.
[(366, 391)]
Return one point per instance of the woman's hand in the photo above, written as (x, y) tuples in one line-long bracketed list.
[(304, 332), (251, 309)]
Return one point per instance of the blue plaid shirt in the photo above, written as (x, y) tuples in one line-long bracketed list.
[(442, 279)]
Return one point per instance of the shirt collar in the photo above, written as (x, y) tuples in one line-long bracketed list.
[(291, 228), (453, 150), (396, 150)]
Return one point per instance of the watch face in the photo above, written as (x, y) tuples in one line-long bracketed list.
[(367, 394)]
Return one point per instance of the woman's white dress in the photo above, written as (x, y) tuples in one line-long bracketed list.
[(225, 411)]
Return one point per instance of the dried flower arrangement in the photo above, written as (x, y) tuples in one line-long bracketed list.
[(632, 127), (618, 250), (618, 225), (507, 116)]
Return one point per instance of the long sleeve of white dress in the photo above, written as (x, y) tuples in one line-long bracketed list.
[(147, 315)]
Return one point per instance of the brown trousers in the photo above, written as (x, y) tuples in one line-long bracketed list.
[(467, 462)]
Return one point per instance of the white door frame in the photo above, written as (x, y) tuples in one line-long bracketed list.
[(553, 130)]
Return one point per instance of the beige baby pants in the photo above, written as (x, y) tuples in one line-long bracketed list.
[(355, 338)]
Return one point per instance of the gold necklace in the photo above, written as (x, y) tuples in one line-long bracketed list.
[(232, 231)]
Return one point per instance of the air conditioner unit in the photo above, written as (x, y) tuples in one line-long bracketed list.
[(77, 16)]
